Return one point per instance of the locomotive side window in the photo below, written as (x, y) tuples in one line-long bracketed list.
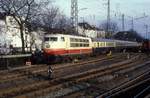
[(72, 45), (79, 45), (78, 42), (86, 40), (86, 45)]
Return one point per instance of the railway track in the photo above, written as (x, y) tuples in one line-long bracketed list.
[(15, 72), (59, 83), (39, 85), (102, 87), (14, 69), (148, 96), (115, 92), (18, 75), (25, 72)]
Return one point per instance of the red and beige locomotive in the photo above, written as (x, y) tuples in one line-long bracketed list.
[(59, 44), (58, 47)]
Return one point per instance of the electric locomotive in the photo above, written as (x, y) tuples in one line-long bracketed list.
[(58, 47)]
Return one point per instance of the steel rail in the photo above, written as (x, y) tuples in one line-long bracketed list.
[(122, 87), (71, 79)]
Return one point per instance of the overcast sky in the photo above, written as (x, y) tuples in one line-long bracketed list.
[(97, 11)]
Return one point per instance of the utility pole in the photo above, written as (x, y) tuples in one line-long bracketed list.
[(74, 15), (108, 17), (132, 24), (123, 26), (146, 30), (133, 19)]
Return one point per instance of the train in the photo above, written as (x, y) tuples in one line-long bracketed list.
[(59, 47), (146, 46)]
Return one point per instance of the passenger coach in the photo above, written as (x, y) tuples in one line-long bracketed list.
[(105, 45)]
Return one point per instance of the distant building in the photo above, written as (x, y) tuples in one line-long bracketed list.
[(90, 31), (10, 34)]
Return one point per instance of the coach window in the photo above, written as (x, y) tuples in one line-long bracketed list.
[(101, 44), (62, 39), (94, 44), (98, 44)]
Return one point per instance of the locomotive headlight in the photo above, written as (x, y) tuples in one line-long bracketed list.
[(47, 46)]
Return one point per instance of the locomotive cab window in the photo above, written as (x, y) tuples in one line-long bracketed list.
[(50, 38), (46, 39)]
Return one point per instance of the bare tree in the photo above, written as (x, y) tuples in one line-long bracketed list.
[(23, 11), (49, 17), (113, 28), (63, 22), (52, 18)]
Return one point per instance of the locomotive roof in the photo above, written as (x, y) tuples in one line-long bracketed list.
[(66, 35)]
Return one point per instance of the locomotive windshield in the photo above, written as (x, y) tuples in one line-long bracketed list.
[(50, 38)]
